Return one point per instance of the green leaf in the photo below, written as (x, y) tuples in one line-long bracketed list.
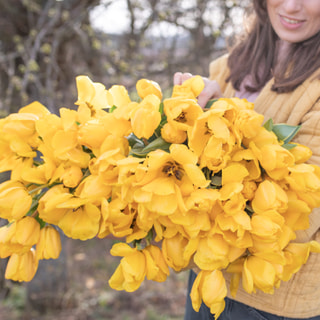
[(134, 141), (288, 146), (285, 132), (112, 108), (210, 103), (269, 125), (158, 143)]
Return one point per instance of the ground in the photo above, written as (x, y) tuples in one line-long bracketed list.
[(86, 294)]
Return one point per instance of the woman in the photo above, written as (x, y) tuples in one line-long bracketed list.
[(277, 66)]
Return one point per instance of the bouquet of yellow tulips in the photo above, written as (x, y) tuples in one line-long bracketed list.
[(179, 186)]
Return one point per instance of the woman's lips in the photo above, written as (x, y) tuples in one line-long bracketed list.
[(291, 23)]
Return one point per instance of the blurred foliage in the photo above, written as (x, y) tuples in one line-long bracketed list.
[(45, 44)]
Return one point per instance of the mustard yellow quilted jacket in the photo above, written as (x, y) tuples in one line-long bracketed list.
[(299, 297)]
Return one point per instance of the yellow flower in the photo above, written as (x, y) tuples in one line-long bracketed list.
[(174, 252), (258, 274), (267, 225), (19, 236), (181, 112), (247, 121), (249, 189), (209, 286), (247, 158), (22, 267), (304, 177), (190, 88), (71, 176), (91, 95), (48, 207), (165, 177), (10, 208), (269, 195), (301, 153), (211, 139), (82, 219), (296, 255), (131, 270), (37, 174), (263, 137), (92, 133), (94, 189), (146, 87), (69, 149), (276, 160), (117, 218), (172, 134), (145, 118), (212, 253), (49, 244), (22, 124), (297, 214), (157, 268), (118, 96)]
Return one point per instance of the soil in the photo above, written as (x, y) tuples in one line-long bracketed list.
[(77, 289)]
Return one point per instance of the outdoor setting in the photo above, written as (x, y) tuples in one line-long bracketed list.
[(159, 159)]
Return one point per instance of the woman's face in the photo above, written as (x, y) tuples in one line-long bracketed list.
[(294, 20)]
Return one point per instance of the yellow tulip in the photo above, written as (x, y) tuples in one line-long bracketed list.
[(258, 274), (304, 177), (156, 266), (22, 267), (93, 189), (10, 208), (92, 133), (173, 252), (81, 221), (212, 253), (276, 160), (248, 121), (267, 224), (172, 134), (247, 158), (301, 153), (145, 118), (263, 137), (48, 204), (269, 195), (71, 176), (118, 96), (297, 214), (117, 218), (92, 95), (146, 87), (49, 244), (182, 113), (35, 108), (210, 287), (190, 88), (132, 268)]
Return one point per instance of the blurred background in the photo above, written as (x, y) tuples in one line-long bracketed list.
[(44, 45)]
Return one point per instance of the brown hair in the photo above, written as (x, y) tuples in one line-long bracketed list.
[(255, 55)]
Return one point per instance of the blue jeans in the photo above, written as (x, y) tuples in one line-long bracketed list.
[(234, 310)]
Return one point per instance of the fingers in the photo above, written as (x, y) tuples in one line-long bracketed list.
[(179, 77), (211, 91)]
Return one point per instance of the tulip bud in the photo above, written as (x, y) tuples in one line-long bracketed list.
[(22, 267), (49, 244)]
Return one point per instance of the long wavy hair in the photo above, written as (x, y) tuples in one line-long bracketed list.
[(256, 55)]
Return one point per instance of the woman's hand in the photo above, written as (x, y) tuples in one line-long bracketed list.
[(211, 90)]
